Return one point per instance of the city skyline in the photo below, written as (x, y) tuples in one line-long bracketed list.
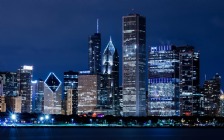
[(29, 33)]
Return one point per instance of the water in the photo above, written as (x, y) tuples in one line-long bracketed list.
[(111, 133)]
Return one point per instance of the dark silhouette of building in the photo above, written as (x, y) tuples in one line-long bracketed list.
[(189, 68), (211, 91)]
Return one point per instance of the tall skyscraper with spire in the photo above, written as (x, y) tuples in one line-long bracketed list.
[(95, 52), (134, 65), (110, 71)]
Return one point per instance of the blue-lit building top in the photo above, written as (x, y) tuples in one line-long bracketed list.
[(163, 81), (110, 79)]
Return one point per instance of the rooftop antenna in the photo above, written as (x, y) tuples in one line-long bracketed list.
[(97, 26), (205, 77), (110, 39)]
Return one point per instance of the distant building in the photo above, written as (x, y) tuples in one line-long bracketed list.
[(9, 82), (88, 89), (71, 88), (189, 76), (38, 96), (120, 98), (24, 77), (13, 104), (1, 86), (211, 91), (71, 102), (134, 65), (2, 104), (163, 77), (221, 105), (95, 53), (110, 71), (52, 95)]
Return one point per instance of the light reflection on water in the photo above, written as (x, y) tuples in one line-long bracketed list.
[(110, 133)]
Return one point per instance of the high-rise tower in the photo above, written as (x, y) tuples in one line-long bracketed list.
[(163, 81), (70, 102), (24, 77), (134, 65), (95, 52), (38, 96), (189, 81), (52, 95), (110, 71), (211, 91)]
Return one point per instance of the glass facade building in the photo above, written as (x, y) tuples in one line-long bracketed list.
[(95, 53), (134, 65), (71, 88), (189, 77), (211, 91), (52, 95), (38, 96), (110, 72), (24, 77), (9, 82), (163, 77)]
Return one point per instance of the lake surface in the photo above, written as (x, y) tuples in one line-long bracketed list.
[(111, 133)]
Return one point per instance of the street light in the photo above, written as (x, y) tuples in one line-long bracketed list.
[(46, 117), (52, 120), (41, 119), (72, 121), (13, 117)]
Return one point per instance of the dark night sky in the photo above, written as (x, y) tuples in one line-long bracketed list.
[(52, 35)]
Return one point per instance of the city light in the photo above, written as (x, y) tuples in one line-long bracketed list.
[(41, 118), (46, 117), (13, 116)]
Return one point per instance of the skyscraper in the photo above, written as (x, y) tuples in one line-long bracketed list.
[(110, 71), (95, 52), (2, 104), (71, 88), (211, 91), (38, 96), (88, 89), (134, 65), (24, 77), (189, 80), (163, 82), (52, 94), (9, 81)]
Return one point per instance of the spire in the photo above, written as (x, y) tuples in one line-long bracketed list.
[(97, 26), (110, 47)]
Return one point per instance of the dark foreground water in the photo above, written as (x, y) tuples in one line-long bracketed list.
[(111, 133)]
